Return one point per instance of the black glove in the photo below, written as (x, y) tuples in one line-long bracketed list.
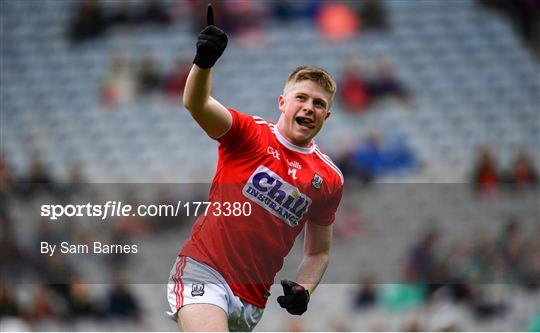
[(296, 298), (211, 43)]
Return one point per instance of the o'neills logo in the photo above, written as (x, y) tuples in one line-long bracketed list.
[(280, 198)]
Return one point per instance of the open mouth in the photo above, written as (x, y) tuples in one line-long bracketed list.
[(305, 122)]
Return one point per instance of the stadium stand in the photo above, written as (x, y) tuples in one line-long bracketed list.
[(473, 81)]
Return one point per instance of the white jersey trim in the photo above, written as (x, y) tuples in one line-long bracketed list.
[(303, 150), (328, 161), (259, 120), (291, 146)]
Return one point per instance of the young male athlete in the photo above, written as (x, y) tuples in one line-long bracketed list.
[(224, 271)]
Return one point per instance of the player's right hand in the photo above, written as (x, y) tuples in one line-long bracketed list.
[(295, 299), (211, 43)]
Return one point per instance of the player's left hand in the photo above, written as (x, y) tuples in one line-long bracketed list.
[(296, 297), (211, 43)]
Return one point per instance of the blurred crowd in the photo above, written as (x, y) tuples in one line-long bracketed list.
[(364, 82), (91, 20), (476, 273), (40, 291), (378, 155), (461, 285), (465, 272), (336, 20), (511, 258), (124, 80), (66, 303), (488, 178)]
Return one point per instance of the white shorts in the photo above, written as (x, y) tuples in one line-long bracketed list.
[(192, 282)]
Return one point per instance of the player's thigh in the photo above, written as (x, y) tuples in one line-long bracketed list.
[(202, 317)]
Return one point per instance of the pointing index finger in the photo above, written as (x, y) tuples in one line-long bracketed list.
[(210, 15)]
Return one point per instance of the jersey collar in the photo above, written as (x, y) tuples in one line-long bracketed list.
[(291, 146)]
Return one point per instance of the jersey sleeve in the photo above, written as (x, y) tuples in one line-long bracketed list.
[(325, 215), (241, 135)]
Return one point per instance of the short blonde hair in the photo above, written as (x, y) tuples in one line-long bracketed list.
[(314, 74)]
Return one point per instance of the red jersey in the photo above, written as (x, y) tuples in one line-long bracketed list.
[(285, 185)]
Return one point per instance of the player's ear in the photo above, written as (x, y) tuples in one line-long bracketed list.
[(281, 103), (328, 113)]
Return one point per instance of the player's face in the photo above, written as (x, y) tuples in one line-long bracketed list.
[(304, 108)]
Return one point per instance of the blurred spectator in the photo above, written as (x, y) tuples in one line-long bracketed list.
[(38, 180), (88, 21), (373, 15), (176, 79), (353, 90), (422, 264), (489, 303), (352, 167), (485, 175), (523, 172), (6, 181), (240, 19), (366, 294), (413, 326), (121, 14), (289, 10), (122, 304), (75, 179), (8, 304), (12, 262), (75, 173), (386, 84), (401, 297), (512, 251), (118, 84), (368, 156), (476, 266), (43, 307), (149, 77), (244, 21), (375, 158), (337, 22), (531, 275), (81, 303), (446, 317), (38, 172), (365, 82), (57, 271), (154, 12)]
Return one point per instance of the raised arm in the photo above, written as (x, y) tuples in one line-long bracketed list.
[(213, 117)]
